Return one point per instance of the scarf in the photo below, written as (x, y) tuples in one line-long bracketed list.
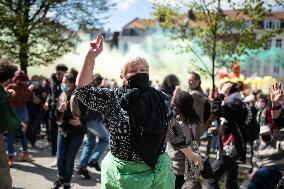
[(147, 119)]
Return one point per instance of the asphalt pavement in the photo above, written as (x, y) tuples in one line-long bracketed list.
[(38, 174)]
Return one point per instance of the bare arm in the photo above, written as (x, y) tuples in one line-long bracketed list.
[(276, 96), (191, 155), (177, 139), (85, 75)]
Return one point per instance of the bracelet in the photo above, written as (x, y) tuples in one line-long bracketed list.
[(277, 107)]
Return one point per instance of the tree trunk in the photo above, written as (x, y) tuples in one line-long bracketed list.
[(23, 54), (213, 62), (214, 32), (23, 38), (24, 64), (213, 76)]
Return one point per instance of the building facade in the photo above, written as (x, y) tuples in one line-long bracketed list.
[(269, 63)]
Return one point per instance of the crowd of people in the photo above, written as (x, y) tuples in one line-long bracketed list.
[(151, 133)]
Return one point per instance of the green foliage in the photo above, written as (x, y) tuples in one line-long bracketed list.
[(36, 32), (218, 35)]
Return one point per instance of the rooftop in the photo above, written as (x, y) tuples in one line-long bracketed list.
[(138, 23)]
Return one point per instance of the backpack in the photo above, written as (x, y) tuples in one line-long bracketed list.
[(250, 128)]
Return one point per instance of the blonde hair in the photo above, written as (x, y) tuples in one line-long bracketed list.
[(125, 67)]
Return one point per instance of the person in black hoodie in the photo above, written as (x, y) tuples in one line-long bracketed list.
[(71, 130), (229, 106)]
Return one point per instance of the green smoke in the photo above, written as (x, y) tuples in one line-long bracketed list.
[(273, 56)]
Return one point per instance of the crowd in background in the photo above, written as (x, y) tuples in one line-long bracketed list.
[(48, 110)]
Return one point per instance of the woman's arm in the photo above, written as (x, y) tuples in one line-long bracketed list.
[(178, 141), (85, 75), (97, 99), (94, 98), (230, 110), (226, 111), (276, 96), (189, 154)]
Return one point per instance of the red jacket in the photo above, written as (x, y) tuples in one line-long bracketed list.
[(23, 94)]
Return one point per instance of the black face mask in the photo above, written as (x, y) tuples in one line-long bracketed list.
[(139, 81), (266, 138)]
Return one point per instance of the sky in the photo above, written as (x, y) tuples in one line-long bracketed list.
[(127, 10)]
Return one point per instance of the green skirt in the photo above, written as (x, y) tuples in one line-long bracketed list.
[(121, 174)]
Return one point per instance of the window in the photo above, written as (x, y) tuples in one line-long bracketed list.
[(133, 32), (276, 69), (258, 65), (249, 23), (268, 45), (272, 24), (279, 43), (266, 69), (125, 32)]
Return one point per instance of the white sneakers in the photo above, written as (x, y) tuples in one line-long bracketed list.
[(54, 164)]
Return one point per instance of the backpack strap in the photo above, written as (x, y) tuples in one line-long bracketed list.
[(249, 114)]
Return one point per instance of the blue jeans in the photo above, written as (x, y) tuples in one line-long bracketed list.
[(265, 178), (95, 128), (67, 148), (22, 115)]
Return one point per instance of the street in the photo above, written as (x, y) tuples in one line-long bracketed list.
[(38, 174)]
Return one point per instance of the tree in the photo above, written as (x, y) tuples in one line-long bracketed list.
[(36, 32), (219, 34)]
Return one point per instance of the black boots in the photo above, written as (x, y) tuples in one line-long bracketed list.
[(84, 173), (57, 184), (95, 165)]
